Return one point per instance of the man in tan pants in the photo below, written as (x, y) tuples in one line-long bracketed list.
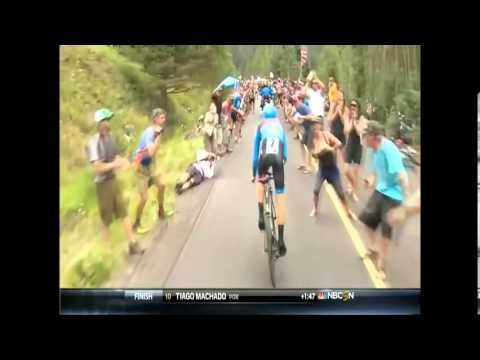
[(145, 165)]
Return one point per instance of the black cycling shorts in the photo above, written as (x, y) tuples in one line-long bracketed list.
[(375, 213), (276, 163)]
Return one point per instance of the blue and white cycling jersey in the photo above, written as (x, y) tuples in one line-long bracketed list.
[(272, 131)]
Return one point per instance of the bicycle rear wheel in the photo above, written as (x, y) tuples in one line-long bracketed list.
[(270, 235)]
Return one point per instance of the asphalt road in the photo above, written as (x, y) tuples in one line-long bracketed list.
[(213, 240)]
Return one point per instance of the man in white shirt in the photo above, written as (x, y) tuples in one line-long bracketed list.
[(316, 99), (200, 170)]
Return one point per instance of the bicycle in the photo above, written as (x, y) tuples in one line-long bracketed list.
[(271, 246)]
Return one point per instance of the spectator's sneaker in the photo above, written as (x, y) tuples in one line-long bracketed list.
[(134, 248), (261, 223)]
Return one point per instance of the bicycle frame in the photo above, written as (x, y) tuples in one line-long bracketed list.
[(270, 244)]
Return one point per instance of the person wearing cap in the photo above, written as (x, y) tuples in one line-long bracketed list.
[(355, 123), (391, 189), (220, 128), (270, 150), (144, 160), (236, 115), (210, 121), (304, 116), (103, 154), (227, 109), (197, 172)]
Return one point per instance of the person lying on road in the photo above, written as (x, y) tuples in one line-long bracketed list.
[(197, 172)]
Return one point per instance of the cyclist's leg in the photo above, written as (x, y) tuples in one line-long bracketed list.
[(279, 178), (262, 169)]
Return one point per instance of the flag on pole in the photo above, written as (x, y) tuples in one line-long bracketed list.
[(303, 55)]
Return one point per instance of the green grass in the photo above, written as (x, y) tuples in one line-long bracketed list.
[(92, 77)]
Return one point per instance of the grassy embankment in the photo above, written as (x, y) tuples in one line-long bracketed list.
[(92, 77)]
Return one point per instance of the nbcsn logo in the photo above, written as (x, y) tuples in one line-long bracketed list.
[(344, 295)]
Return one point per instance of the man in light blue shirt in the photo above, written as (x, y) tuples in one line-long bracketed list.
[(391, 186)]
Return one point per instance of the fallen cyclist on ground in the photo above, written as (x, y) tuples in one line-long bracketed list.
[(197, 172)]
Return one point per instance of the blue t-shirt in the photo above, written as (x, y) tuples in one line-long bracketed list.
[(304, 110), (268, 129), (237, 100), (387, 164), (146, 139)]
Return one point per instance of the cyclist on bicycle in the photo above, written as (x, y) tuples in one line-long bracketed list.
[(270, 150), (266, 93)]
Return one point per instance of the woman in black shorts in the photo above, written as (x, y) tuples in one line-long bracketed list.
[(335, 124), (354, 125), (335, 119)]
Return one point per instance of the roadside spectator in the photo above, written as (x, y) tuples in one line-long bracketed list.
[(144, 160), (103, 154), (227, 108), (210, 121), (391, 189), (332, 90), (303, 116), (355, 123), (323, 149), (217, 99)]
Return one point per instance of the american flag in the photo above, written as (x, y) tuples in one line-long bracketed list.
[(303, 55)]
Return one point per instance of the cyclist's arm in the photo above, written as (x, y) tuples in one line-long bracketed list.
[(256, 148), (285, 150)]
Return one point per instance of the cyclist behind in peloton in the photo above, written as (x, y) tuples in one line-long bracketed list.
[(270, 150), (266, 94)]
